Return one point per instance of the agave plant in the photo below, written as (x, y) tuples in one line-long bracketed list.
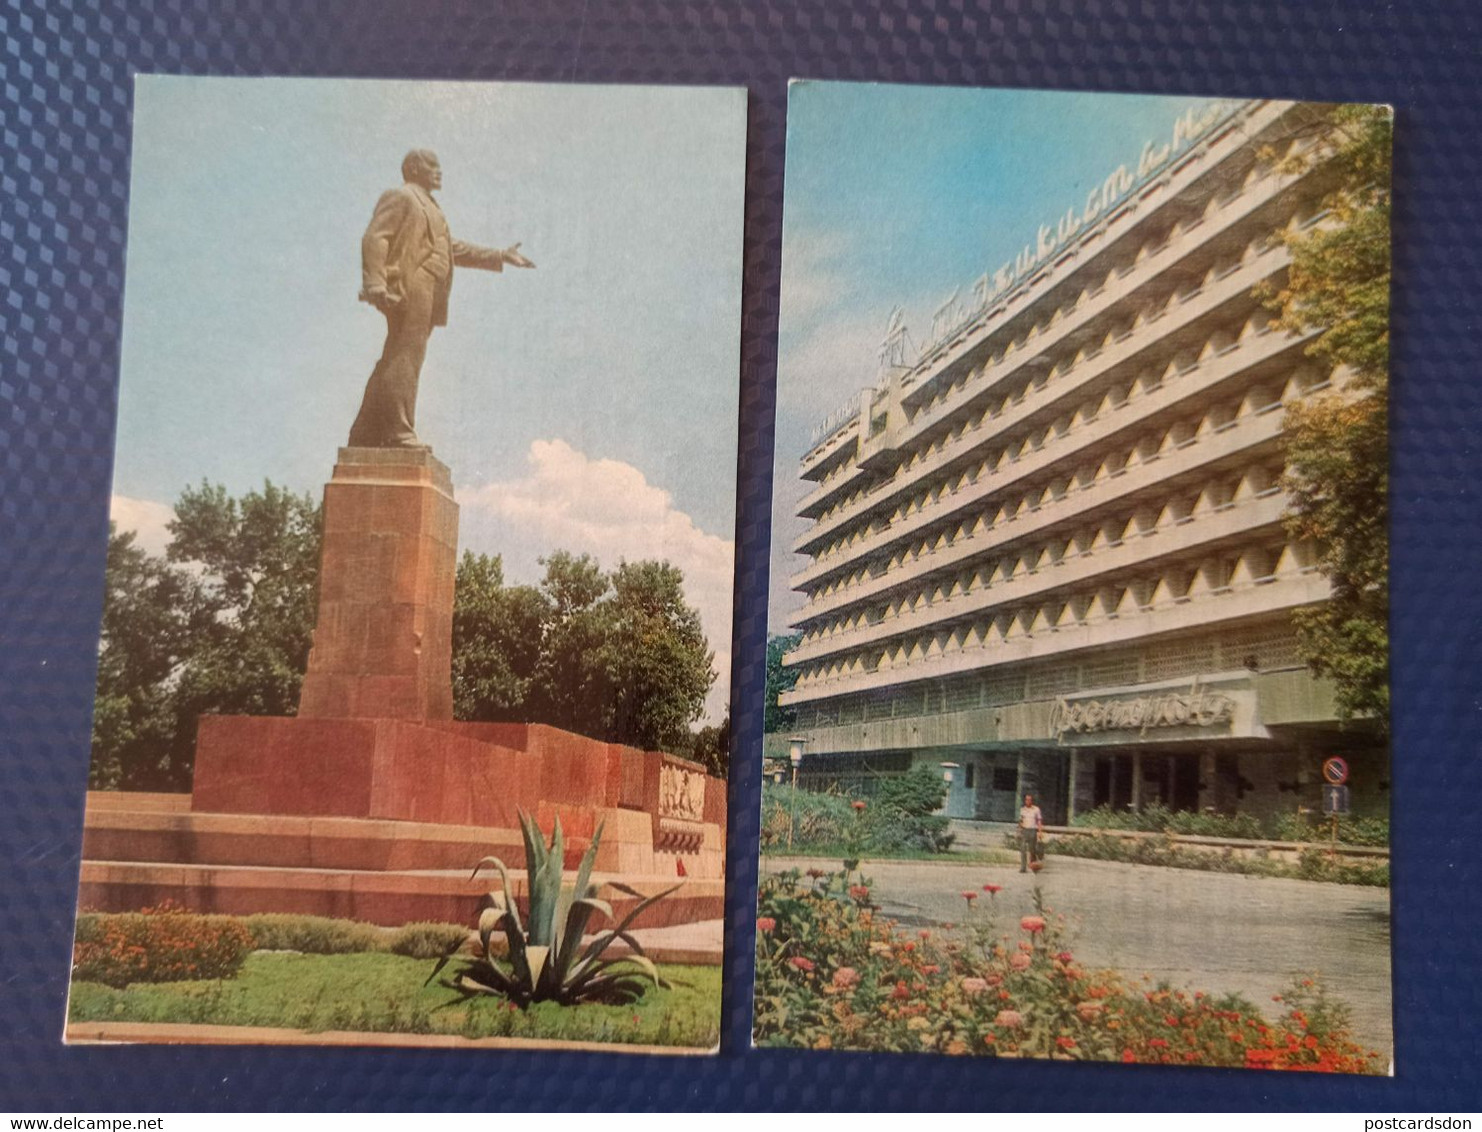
[(545, 960)]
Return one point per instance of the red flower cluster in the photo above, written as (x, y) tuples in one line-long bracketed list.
[(159, 945)]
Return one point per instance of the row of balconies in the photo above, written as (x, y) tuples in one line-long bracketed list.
[(1199, 330), (1258, 581), (1187, 468), (1221, 213), (1181, 527), (1117, 443)]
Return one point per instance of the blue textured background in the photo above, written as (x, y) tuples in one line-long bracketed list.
[(66, 70)]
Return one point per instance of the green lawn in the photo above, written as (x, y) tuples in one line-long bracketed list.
[(382, 993)]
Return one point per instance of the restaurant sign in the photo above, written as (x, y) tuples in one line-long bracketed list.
[(1197, 707)]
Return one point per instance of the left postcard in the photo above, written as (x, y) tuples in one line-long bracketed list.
[(412, 709)]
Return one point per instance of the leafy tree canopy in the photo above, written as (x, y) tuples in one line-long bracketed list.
[(223, 623), (1337, 445), (779, 680)]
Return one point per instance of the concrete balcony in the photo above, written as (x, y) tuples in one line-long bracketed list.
[(1211, 227), (1128, 416), (1055, 395), (1261, 597), (1073, 572)]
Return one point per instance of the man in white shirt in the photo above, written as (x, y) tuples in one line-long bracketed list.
[(1031, 821)]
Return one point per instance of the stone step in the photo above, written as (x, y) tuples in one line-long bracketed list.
[(160, 828), (389, 898)]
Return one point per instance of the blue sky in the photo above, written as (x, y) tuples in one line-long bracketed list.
[(899, 195), (590, 404)]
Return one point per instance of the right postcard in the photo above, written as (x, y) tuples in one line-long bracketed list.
[(1077, 739)]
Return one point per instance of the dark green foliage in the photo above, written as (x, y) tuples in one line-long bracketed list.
[(223, 625), (907, 803), (497, 632), (779, 680), (618, 656), (1337, 445), (899, 818), (712, 747), (224, 622)]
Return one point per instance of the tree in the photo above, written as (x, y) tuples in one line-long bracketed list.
[(712, 747), (150, 610), (1337, 446), (779, 679), (657, 658), (618, 656), (497, 633), (223, 625)]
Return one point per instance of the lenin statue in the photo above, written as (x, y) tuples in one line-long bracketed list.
[(407, 260)]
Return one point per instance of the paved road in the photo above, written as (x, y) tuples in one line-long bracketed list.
[(1202, 931)]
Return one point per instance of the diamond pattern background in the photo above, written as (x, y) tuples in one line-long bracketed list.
[(66, 71)]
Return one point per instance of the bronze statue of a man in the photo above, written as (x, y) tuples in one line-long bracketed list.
[(407, 261)]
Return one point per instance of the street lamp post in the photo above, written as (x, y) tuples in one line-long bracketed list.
[(794, 756)]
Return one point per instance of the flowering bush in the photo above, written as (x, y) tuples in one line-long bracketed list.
[(158, 945), (833, 973), (1313, 864)]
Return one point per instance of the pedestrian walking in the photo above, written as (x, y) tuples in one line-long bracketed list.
[(1031, 821)]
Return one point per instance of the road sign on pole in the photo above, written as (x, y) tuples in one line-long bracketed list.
[(1335, 771), (1334, 800)]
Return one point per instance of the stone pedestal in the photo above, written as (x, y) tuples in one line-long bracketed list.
[(373, 803), (383, 640)]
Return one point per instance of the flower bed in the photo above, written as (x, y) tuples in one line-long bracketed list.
[(832, 973), (158, 945), (1312, 863)]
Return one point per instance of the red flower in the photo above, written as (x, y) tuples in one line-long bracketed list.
[(765, 924), (993, 889), (858, 807), (1065, 957), (859, 892), (969, 895), (815, 873), (1157, 1043), (802, 963), (1128, 1057), (1065, 1043), (1033, 924)]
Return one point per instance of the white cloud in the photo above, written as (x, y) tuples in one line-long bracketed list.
[(146, 518), (606, 508)]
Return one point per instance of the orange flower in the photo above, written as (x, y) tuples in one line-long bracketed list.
[(765, 924), (1033, 924)]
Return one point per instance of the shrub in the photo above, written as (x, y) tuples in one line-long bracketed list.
[(1314, 863), (1156, 817), (158, 945), (427, 940), (314, 935), (1370, 832), (899, 818), (832, 973)]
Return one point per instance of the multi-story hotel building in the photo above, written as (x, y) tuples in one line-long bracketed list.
[(1049, 554)]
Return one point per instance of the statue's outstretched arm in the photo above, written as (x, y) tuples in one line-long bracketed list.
[(488, 259)]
